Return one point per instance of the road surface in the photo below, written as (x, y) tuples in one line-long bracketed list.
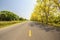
[(29, 31)]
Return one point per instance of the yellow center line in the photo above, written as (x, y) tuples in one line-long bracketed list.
[(30, 33)]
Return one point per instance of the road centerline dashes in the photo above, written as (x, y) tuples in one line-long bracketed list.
[(30, 33)]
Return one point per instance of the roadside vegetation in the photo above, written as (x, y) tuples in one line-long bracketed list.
[(7, 23), (47, 12), (8, 18)]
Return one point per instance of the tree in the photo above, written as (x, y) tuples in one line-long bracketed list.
[(22, 19), (47, 9), (8, 16)]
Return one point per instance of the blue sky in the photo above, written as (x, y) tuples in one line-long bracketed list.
[(23, 8)]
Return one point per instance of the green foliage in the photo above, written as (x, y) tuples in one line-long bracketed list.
[(8, 16), (22, 19)]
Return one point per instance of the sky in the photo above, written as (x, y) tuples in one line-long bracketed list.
[(23, 8)]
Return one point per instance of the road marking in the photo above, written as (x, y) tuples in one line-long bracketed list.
[(30, 33)]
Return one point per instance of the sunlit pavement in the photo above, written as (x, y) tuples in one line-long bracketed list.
[(28, 31)]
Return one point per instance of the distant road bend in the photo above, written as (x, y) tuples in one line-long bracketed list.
[(29, 31)]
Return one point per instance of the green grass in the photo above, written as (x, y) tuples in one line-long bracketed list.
[(7, 23), (57, 25)]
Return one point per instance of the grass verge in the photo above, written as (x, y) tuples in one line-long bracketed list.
[(7, 23)]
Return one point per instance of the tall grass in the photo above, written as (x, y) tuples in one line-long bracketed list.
[(6, 23)]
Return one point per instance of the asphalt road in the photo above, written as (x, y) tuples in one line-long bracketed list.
[(36, 31)]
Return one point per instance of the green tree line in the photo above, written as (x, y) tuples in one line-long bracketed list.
[(9, 16)]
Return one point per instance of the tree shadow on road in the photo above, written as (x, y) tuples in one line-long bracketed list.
[(44, 27)]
